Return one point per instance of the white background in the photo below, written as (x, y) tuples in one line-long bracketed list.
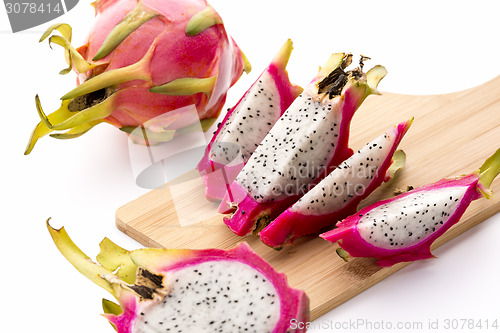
[(428, 47)]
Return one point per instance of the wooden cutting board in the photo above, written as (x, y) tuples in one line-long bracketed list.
[(452, 134)]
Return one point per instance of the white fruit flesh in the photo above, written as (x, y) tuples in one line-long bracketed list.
[(214, 296), (349, 180), (409, 220), (296, 150), (249, 123)]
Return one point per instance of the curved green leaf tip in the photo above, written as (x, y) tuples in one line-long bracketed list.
[(283, 55), (335, 60), (76, 131), (343, 254), (117, 259), (76, 123), (490, 169), (79, 259), (111, 78), (202, 20), (247, 66), (41, 114), (129, 24), (186, 86), (73, 57), (100, 273), (64, 119), (374, 76), (110, 307), (398, 162), (64, 28)]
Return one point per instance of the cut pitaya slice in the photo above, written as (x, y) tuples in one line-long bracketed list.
[(143, 59), (246, 124), (403, 228), (166, 290), (338, 194), (308, 140)]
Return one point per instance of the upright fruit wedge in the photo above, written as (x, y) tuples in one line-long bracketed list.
[(246, 124), (403, 228), (338, 195), (165, 290), (304, 145)]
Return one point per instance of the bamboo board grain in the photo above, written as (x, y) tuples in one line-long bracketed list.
[(452, 134)]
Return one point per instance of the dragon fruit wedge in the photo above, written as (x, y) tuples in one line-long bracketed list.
[(404, 227), (143, 59), (338, 194), (304, 145), (246, 124), (166, 290)]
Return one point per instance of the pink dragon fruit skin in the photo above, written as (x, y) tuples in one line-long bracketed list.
[(143, 59), (403, 228), (338, 192), (297, 140), (208, 290), (246, 124)]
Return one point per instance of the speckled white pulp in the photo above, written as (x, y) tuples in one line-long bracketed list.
[(407, 221), (349, 180), (214, 296)]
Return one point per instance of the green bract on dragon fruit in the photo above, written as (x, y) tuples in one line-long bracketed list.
[(177, 290), (143, 59)]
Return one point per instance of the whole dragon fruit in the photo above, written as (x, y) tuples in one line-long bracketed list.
[(246, 124), (167, 290), (338, 194), (404, 227), (308, 140), (143, 59)]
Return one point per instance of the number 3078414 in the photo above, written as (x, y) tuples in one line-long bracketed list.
[(32, 7)]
